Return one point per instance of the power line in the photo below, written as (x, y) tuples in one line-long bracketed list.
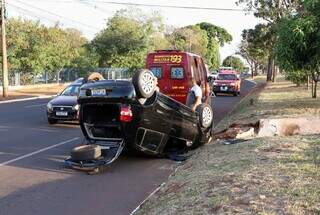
[(30, 13), (58, 15), (95, 7), (165, 6), (149, 5)]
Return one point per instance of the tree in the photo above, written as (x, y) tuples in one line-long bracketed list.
[(216, 32), (34, 48), (254, 47), (217, 36), (235, 62), (190, 38), (127, 38), (271, 11), (298, 44)]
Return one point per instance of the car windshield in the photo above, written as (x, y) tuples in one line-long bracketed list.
[(72, 90), (227, 77)]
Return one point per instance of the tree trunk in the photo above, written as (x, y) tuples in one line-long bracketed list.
[(274, 73), (255, 72), (308, 79), (315, 90), (269, 71), (312, 88)]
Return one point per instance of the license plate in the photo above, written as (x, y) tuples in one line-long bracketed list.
[(62, 113), (98, 92), (224, 88)]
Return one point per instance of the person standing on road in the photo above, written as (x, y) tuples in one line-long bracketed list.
[(194, 95)]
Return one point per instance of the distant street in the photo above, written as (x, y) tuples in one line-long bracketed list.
[(34, 180)]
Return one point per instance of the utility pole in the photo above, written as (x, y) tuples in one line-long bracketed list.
[(4, 52)]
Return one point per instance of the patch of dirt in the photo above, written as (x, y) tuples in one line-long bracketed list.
[(34, 91), (270, 128)]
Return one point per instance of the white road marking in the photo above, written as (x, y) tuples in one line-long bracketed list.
[(155, 191), (151, 194), (251, 81), (37, 105), (43, 129), (25, 99), (37, 152)]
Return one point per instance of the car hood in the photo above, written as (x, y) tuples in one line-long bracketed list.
[(64, 101), (225, 81)]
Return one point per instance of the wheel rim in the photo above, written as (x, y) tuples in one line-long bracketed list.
[(206, 116), (147, 83)]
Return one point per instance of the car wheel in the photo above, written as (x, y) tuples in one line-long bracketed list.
[(235, 94), (238, 93), (205, 115), (52, 121), (144, 83), (86, 152), (95, 76)]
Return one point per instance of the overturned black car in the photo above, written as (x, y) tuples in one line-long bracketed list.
[(133, 114)]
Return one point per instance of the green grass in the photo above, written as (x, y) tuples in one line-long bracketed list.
[(274, 175), (278, 100)]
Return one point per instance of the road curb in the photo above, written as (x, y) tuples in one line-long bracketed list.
[(241, 100), (25, 99), (155, 191)]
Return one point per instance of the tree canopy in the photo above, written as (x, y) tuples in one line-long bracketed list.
[(34, 48), (129, 35), (234, 62), (217, 37), (298, 44), (271, 11)]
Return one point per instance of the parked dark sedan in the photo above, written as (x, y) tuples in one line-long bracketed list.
[(64, 107)]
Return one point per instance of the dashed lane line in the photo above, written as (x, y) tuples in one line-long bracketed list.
[(37, 152), (37, 105), (25, 99)]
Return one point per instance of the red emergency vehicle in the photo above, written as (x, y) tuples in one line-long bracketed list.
[(174, 69)]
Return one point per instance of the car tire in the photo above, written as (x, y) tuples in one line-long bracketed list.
[(205, 115), (144, 83), (52, 121), (86, 152), (94, 76), (235, 94)]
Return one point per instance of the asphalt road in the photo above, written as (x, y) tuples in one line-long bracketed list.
[(34, 181)]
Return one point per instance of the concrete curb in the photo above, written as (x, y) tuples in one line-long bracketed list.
[(156, 190)]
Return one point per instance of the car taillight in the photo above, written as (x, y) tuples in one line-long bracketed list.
[(125, 113)]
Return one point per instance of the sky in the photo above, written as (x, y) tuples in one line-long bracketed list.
[(90, 16)]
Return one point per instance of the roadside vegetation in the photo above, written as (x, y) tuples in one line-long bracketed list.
[(271, 175), (35, 49), (287, 43)]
